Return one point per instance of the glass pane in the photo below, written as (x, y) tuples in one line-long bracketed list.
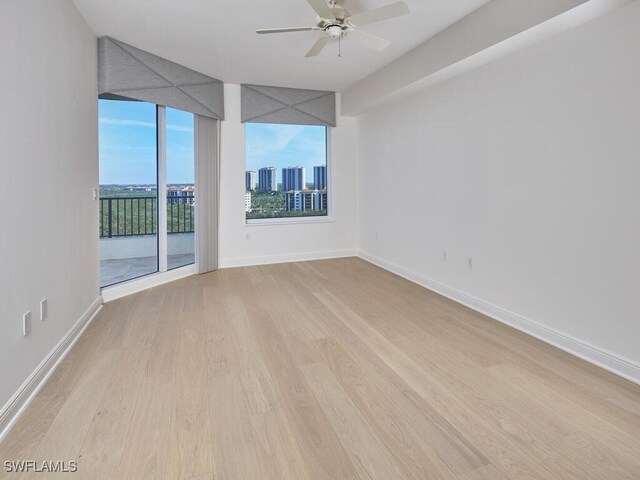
[(286, 174), (128, 191), (180, 189)]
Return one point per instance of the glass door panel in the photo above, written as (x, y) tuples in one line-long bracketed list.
[(128, 225)]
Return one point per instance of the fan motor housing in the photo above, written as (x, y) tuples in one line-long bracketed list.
[(334, 30)]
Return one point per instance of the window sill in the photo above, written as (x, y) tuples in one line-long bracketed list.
[(255, 222)]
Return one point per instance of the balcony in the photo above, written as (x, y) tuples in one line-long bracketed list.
[(129, 239)]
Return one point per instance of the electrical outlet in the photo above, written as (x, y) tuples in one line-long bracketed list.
[(43, 309), (26, 323), (247, 236)]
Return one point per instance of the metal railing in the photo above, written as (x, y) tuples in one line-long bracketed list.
[(129, 216)]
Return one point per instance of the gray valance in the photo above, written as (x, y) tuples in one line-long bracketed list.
[(130, 73), (288, 105)]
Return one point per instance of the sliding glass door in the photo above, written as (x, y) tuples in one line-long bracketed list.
[(147, 196)]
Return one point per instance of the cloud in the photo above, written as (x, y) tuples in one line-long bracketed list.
[(273, 144), (285, 145), (138, 123), (269, 140), (284, 135)]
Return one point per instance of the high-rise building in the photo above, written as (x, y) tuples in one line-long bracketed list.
[(251, 179), (247, 201), (268, 179), (320, 177), (293, 179), (304, 200)]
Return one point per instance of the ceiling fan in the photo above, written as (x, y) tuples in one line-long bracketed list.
[(336, 22)]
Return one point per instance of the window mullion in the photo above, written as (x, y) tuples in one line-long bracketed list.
[(162, 188)]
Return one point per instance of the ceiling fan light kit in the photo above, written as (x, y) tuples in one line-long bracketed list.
[(334, 31), (335, 22)]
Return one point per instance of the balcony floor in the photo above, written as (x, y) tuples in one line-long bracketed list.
[(123, 269)]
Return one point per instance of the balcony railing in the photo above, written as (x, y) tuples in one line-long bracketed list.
[(129, 216)]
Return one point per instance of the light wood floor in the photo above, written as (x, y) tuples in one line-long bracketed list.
[(323, 370)]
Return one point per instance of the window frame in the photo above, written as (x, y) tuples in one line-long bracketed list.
[(328, 218)]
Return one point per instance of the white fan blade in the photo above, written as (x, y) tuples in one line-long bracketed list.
[(322, 8), (368, 40), (318, 46), (383, 13), (285, 30)]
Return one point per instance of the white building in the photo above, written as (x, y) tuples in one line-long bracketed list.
[(293, 178), (251, 180), (303, 200), (268, 179), (320, 177)]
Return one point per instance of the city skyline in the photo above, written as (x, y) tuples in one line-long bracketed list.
[(284, 146), (291, 178)]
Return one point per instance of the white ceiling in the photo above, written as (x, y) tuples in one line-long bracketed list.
[(217, 37)]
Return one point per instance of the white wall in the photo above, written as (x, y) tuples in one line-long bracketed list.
[(49, 143), (277, 243), (530, 165)]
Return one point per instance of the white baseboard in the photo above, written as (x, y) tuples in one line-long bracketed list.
[(285, 258), (598, 356), (143, 283), (20, 400)]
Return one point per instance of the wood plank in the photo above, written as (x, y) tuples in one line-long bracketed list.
[(66, 434), (234, 451), (146, 445), (252, 370), (189, 450), (103, 445), (601, 436), (487, 472), (414, 455), (219, 347), (494, 403), (324, 455), (401, 379), (278, 452), (367, 453)]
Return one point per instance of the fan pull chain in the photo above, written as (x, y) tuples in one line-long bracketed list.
[(340, 46)]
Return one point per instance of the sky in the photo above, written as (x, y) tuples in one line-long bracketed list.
[(285, 146), (128, 145)]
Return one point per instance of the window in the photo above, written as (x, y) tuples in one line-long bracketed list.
[(146, 183), (286, 171)]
